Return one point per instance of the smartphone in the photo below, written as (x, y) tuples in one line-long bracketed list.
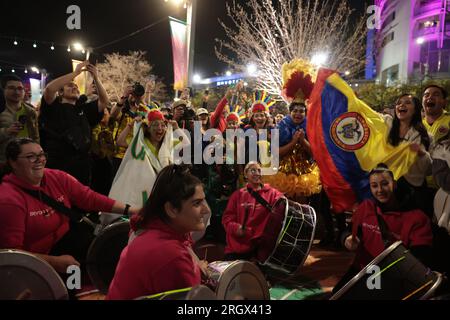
[(22, 119), (93, 58)]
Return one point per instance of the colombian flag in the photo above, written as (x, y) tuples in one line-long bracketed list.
[(348, 139)]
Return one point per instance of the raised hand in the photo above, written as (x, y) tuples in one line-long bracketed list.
[(81, 67), (92, 70)]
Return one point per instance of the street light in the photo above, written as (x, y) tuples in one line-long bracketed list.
[(319, 59), (420, 40), (252, 69), (78, 46), (228, 73), (347, 73), (197, 78)]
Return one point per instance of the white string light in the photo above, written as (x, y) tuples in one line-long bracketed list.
[(48, 44), (15, 67)]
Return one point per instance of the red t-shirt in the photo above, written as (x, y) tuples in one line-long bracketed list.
[(27, 223), (413, 228), (156, 261)]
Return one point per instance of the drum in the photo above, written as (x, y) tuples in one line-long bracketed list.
[(401, 277), (288, 236), (104, 254), (237, 280), (24, 276), (200, 292)]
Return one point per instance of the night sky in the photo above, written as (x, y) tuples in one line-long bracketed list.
[(104, 21)]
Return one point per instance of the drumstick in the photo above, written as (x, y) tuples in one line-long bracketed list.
[(206, 254), (247, 207)]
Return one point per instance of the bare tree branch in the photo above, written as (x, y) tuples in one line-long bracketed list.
[(120, 71), (269, 33)]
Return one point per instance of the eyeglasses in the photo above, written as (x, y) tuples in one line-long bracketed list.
[(12, 88), (33, 158), (255, 171)]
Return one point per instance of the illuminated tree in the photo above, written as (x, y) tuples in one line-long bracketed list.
[(120, 71), (269, 33)]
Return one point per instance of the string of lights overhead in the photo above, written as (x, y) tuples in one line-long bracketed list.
[(9, 66), (13, 67), (52, 45)]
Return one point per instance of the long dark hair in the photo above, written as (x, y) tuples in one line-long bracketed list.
[(174, 184), (416, 123)]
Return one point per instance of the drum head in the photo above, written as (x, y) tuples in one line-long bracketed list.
[(290, 234), (24, 276), (401, 277), (200, 292), (104, 254), (242, 281)]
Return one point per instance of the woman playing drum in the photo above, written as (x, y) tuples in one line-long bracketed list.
[(160, 258), (29, 223), (245, 217), (396, 220)]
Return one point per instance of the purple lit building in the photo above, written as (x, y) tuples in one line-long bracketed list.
[(413, 43)]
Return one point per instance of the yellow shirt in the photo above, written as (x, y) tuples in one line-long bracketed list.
[(24, 132), (439, 128), (119, 127)]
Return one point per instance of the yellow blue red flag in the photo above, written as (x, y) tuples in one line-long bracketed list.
[(348, 139)]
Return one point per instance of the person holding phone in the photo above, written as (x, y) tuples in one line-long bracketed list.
[(18, 120), (65, 124)]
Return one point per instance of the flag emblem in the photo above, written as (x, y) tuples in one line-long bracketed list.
[(350, 131)]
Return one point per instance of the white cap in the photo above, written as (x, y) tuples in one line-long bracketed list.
[(201, 111)]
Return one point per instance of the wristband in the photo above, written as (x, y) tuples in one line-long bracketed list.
[(125, 211)]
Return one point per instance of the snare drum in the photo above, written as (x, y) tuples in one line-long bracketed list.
[(200, 292), (237, 280), (24, 276), (401, 277), (104, 254), (288, 236)]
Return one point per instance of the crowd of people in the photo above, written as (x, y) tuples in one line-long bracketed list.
[(77, 154)]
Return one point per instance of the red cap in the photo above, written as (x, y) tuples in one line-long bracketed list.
[(258, 108), (232, 117), (155, 115)]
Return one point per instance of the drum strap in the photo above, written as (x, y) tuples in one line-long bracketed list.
[(385, 234), (260, 199), (58, 206)]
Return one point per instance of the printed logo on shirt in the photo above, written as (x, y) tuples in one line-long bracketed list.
[(47, 212), (371, 227)]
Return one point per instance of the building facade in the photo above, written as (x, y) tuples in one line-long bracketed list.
[(412, 43)]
